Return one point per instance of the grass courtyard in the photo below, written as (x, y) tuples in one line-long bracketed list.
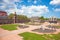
[(33, 36), (9, 27)]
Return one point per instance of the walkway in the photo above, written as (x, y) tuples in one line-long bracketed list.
[(13, 35)]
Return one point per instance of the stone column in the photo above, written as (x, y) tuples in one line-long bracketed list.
[(14, 18)]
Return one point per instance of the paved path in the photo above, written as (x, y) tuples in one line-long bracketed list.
[(20, 30), (8, 35)]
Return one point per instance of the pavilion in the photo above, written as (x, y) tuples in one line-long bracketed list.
[(53, 20)]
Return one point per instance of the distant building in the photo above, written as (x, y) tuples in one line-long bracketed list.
[(34, 19), (53, 20), (3, 15)]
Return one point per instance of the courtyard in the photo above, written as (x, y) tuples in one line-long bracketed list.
[(28, 32), (29, 19)]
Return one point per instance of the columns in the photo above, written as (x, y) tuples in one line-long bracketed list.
[(53, 20), (14, 18)]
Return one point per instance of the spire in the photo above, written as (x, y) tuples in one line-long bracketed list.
[(14, 17)]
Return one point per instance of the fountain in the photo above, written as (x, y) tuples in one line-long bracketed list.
[(44, 29)]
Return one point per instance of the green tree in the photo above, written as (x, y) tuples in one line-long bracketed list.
[(10, 16), (58, 18), (42, 18), (23, 18)]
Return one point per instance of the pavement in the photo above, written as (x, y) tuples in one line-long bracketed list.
[(13, 35)]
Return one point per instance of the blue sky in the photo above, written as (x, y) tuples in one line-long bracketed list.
[(46, 8)]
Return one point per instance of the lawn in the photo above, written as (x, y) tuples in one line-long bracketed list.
[(33, 36), (9, 27), (58, 26)]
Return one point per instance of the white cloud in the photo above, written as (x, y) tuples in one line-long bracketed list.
[(57, 10), (3, 5), (26, 10), (35, 1), (31, 10), (29, 0), (8, 4), (18, 11), (35, 9), (10, 1), (55, 2)]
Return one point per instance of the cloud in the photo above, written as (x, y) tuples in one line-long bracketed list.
[(2, 5), (55, 2), (11, 7), (33, 10), (29, 0), (8, 4), (57, 10), (10, 1), (35, 1)]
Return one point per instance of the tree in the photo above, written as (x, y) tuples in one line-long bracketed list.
[(42, 18), (10, 16), (19, 18), (23, 18), (58, 18)]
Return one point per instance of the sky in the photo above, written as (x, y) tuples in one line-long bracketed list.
[(46, 8)]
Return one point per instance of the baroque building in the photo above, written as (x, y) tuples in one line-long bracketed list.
[(53, 20)]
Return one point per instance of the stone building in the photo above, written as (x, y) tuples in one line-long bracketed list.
[(4, 18), (35, 19), (3, 15), (53, 20)]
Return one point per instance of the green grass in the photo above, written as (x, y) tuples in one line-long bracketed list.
[(58, 26), (9, 27), (33, 36)]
